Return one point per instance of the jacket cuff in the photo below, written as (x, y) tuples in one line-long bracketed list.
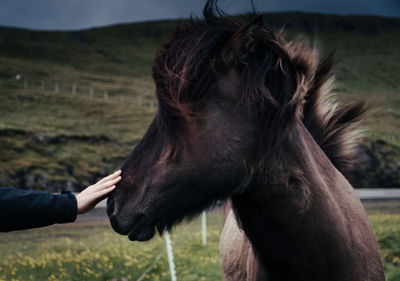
[(66, 207)]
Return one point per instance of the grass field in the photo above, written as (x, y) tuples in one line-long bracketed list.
[(90, 250), (93, 251)]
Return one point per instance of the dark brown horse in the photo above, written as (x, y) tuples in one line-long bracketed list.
[(246, 117)]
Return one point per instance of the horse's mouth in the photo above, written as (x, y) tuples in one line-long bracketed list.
[(142, 229), (139, 228), (141, 232)]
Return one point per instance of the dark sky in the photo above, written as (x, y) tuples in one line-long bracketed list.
[(78, 14)]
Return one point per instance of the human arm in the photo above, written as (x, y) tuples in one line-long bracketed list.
[(22, 209)]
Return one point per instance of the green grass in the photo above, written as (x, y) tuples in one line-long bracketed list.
[(387, 229), (92, 251)]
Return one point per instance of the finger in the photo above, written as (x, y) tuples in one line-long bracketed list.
[(100, 195), (104, 196), (109, 177), (104, 193), (107, 184)]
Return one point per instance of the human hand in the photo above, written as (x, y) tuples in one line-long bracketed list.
[(93, 194)]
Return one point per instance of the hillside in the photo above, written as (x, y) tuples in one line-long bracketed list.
[(84, 98)]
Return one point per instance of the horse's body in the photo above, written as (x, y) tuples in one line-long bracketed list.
[(330, 239), (246, 117)]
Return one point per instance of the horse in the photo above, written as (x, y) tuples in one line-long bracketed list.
[(246, 118)]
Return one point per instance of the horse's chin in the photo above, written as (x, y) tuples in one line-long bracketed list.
[(141, 233)]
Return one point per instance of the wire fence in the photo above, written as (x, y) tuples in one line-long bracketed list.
[(122, 96)]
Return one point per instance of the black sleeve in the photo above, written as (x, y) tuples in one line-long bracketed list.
[(22, 209)]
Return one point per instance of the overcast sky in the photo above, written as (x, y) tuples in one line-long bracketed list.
[(78, 14)]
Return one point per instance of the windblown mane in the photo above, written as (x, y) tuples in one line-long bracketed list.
[(285, 84), (334, 126)]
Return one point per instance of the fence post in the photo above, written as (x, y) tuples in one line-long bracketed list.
[(170, 257), (56, 88), (139, 101), (204, 227), (121, 99), (105, 95), (73, 89)]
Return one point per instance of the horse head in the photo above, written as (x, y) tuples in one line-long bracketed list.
[(228, 94)]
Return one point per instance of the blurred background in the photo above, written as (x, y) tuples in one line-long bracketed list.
[(76, 95)]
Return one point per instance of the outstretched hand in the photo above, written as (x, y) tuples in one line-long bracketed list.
[(93, 194)]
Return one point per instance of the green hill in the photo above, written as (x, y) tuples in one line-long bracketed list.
[(84, 98)]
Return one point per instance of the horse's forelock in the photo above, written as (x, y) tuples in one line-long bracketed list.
[(185, 68)]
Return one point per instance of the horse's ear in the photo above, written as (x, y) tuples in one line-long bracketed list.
[(242, 41)]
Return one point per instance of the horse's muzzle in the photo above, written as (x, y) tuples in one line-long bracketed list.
[(138, 227), (116, 225)]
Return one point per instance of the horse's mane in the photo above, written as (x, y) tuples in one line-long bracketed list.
[(294, 84), (334, 126)]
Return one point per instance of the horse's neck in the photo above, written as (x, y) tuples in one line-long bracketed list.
[(306, 222)]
